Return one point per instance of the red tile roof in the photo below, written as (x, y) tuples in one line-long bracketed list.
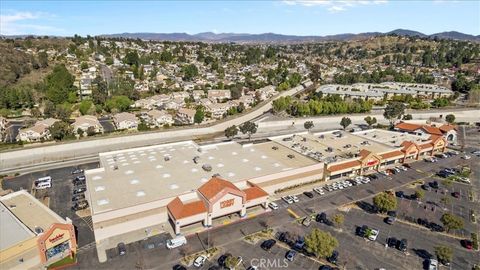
[(180, 210), (407, 126), (432, 130), (343, 166), (254, 193), (447, 128), (214, 186), (392, 154)]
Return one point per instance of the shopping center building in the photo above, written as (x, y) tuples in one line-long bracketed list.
[(137, 193), (31, 234)]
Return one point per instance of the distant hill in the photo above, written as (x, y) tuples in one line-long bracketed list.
[(279, 38)]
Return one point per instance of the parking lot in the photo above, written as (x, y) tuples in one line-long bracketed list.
[(60, 196), (355, 252)]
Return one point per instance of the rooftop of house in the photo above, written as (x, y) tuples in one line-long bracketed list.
[(136, 176)]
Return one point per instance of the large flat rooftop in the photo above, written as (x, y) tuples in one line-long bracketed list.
[(136, 176), (392, 138), (22, 217), (330, 146)]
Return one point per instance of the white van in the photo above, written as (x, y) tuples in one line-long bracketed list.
[(176, 242), (44, 182)]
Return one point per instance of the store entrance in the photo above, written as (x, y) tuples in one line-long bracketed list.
[(58, 249)]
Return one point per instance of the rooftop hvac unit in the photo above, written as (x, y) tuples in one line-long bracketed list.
[(38, 230), (207, 167), (167, 158), (195, 159)]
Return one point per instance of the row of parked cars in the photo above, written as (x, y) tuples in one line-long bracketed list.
[(79, 187)]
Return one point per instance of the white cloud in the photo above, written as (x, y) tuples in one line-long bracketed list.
[(15, 23), (334, 5)]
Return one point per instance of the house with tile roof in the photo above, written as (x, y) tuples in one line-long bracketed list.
[(38, 132), (448, 131)]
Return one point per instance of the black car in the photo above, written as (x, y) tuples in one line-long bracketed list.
[(80, 178), (285, 237), (179, 267), (80, 205), (423, 222), (360, 231), (373, 177), (215, 267), (435, 227), (308, 194), (392, 242), (322, 217), (426, 187), (392, 213), (402, 245), (444, 174), (268, 244), (399, 194), (434, 184), (122, 249), (333, 258), (221, 260), (325, 267)]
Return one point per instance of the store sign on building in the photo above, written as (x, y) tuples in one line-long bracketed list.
[(372, 162), (56, 238), (227, 203)]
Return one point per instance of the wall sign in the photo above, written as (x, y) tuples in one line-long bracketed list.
[(56, 238), (227, 203)]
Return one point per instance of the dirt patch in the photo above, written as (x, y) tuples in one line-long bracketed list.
[(83, 213)]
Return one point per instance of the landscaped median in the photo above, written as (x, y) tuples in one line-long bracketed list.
[(257, 236)]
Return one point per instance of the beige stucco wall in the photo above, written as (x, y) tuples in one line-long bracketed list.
[(217, 211), (256, 201)]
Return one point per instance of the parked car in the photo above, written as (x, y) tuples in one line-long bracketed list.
[(423, 222), (307, 221), (299, 244), (80, 205), (319, 190), (179, 267), (406, 165), (290, 255), (287, 199), (466, 157), (273, 206), (221, 260), (433, 184), (400, 194), (333, 258), (426, 187), (77, 171), (430, 159), (199, 261), (373, 177), (308, 194), (389, 220), (295, 198), (322, 217), (468, 244), (392, 242), (372, 234), (78, 197), (79, 190), (80, 178), (122, 249), (402, 245), (435, 227), (432, 264), (456, 194), (268, 244)]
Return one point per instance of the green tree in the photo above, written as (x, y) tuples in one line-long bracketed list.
[(444, 253), (131, 58), (451, 222), (407, 117), (248, 128), (231, 132), (394, 111), (59, 84), (43, 59), (450, 118), (189, 72), (60, 130), (99, 90), (231, 262), (91, 131), (199, 115), (320, 243), (385, 202), (80, 132), (315, 75), (345, 122), (85, 106), (84, 65), (118, 103), (370, 121), (308, 125), (63, 111)]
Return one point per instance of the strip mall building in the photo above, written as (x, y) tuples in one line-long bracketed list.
[(141, 192), (32, 236)]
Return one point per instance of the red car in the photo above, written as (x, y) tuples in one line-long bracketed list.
[(467, 244)]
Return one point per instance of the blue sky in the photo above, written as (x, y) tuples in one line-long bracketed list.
[(298, 17)]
